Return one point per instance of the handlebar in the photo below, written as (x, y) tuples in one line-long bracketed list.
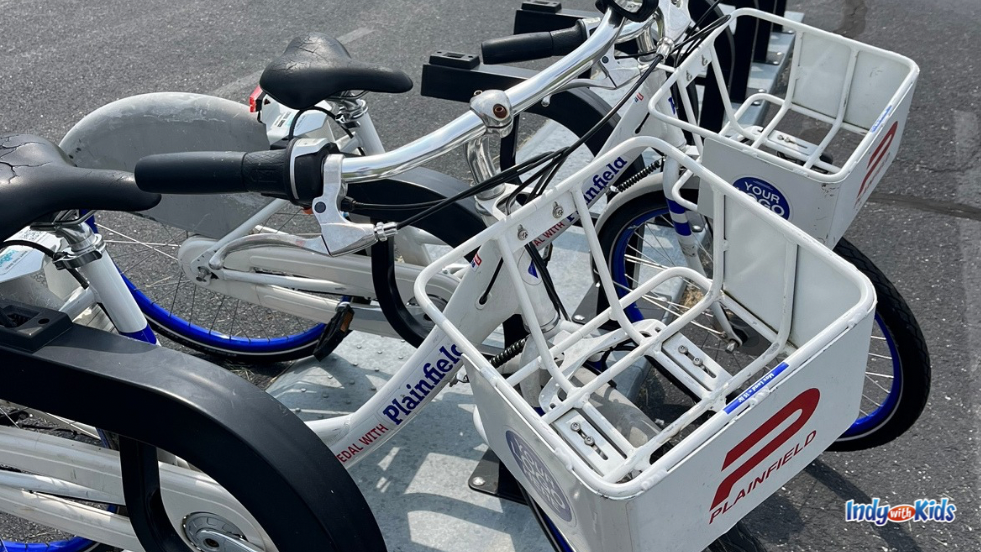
[(270, 172), (530, 46), (214, 172), (469, 126)]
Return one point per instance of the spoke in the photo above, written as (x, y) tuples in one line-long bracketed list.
[(211, 330), (658, 245), (289, 220), (713, 331), (876, 355), (875, 383), (137, 242), (159, 284), (885, 376), (234, 318), (7, 415), (173, 303), (174, 245), (137, 263), (194, 295), (646, 262), (871, 400)]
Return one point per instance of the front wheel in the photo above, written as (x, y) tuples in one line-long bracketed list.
[(638, 241), (897, 380)]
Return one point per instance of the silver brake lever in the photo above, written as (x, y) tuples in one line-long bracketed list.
[(340, 235)]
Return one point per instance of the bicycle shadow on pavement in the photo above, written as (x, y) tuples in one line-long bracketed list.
[(417, 483), (779, 518)]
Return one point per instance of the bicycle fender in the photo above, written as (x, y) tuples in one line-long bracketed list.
[(241, 435), (119, 134), (420, 185)]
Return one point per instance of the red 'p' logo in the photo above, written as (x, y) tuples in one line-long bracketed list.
[(805, 404), (877, 156)]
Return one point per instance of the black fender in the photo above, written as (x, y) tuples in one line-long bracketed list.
[(229, 429), (455, 224)]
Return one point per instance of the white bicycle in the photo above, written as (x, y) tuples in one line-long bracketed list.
[(570, 438), (223, 276)]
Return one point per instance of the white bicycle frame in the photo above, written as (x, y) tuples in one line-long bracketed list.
[(92, 473), (238, 265)]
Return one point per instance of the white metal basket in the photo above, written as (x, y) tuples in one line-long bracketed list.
[(609, 476), (843, 100)]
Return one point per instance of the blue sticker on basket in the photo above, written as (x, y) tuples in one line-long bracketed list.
[(766, 194), (538, 476)]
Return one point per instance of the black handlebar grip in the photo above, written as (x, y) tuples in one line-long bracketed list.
[(199, 172), (267, 172), (530, 46), (215, 172), (566, 40)]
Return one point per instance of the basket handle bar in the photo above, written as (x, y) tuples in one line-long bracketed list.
[(846, 90)]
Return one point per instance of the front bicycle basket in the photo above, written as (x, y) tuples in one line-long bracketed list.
[(610, 474), (829, 137)]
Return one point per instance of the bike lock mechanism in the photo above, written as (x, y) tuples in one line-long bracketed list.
[(340, 235)]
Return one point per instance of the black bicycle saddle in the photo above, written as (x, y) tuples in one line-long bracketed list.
[(37, 179), (315, 67)]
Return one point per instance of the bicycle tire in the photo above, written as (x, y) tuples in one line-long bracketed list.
[(737, 539), (127, 235), (452, 226), (893, 315), (33, 291), (899, 335), (304, 482)]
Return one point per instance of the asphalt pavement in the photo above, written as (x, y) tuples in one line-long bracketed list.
[(60, 60)]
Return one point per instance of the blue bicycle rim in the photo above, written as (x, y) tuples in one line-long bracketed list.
[(72, 545), (178, 325), (860, 426), (210, 338), (881, 414)]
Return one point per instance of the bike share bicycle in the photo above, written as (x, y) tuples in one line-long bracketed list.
[(480, 303), (268, 279), (63, 381), (297, 174), (898, 376)]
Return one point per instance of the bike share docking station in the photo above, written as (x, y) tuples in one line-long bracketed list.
[(418, 487)]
